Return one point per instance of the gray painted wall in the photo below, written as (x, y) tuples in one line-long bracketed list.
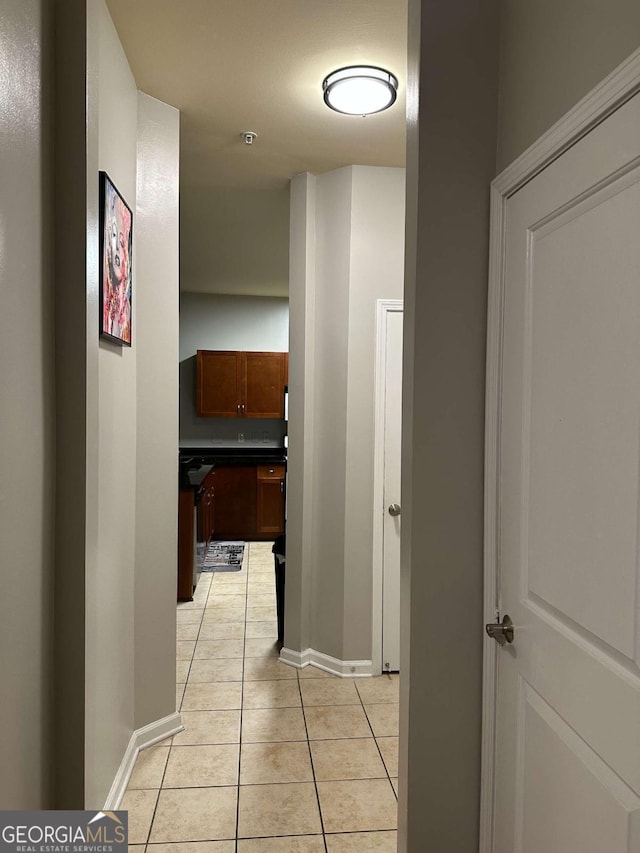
[(218, 322), (110, 582), (26, 404), (453, 53), (97, 126), (331, 321), (377, 272), (157, 409), (347, 233), (552, 54)]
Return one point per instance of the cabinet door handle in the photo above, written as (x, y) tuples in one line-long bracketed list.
[(238, 408), (242, 407), (282, 486)]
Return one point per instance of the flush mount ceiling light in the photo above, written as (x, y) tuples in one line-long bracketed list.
[(360, 90)]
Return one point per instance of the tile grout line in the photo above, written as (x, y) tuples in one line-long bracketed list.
[(313, 769), (375, 739), (164, 772), (244, 646)]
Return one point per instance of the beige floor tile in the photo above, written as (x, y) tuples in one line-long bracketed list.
[(383, 688), (271, 694), (217, 611), (233, 648), (267, 669), (224, 590), (216, 669), (313, 672), (182, 671), (394, 782), (197, 604), (194, 847), (261, 647), (149, 768), (257, 547), (188, 631), (270, 725), (187, 617), (226, 602), (347, 759), (209, 727), (262, 629), (262, 763), (140, 805), (218, 696), (262, 584), (203, 765), (195, 814), (383, 719), (184, 649), (262, 573), (136, 848), (180, 688), (322, 691), (359, 805), (294, 844), (363, 842), (262, 559), (212, 629), (326, 722), (389, 749), (219, 578), (231, 577), (261, 614), (284, 809), (261, 599)]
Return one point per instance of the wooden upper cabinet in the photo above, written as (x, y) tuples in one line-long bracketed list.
[(263, 385), (241, 384), (218, 384)]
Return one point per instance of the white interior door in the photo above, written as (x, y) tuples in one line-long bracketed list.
[(391, 492), (567, 724)]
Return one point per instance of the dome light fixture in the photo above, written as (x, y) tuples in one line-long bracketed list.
[(360, 90)]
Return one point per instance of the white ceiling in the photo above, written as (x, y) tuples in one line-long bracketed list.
[(231, 66)]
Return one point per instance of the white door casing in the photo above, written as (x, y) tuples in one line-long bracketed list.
[(386, 490), (561, 735)]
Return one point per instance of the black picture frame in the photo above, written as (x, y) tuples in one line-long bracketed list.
[(116, 264)]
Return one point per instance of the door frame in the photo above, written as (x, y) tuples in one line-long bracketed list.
[(384, 307), (618, 87)]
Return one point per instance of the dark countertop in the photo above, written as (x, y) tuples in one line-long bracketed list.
[(193, 474), (238, 454)]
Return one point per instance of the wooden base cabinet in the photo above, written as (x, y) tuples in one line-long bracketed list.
[(249, 501), (236, 510), (271, 499)]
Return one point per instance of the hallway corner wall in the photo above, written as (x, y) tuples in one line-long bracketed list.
[(453, 57), (27, 404), (109, 614), (347, 240), (157, 409)]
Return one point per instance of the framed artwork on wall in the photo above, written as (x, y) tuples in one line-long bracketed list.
[(116, 282)]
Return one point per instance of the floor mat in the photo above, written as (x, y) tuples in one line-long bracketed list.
[(223, 557)]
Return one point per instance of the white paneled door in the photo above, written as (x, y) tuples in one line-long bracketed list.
[(567, 702)]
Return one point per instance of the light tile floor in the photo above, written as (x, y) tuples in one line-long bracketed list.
[(272, 759)]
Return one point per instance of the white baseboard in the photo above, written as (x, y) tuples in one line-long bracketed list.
[(140, 739), (341, 668)]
